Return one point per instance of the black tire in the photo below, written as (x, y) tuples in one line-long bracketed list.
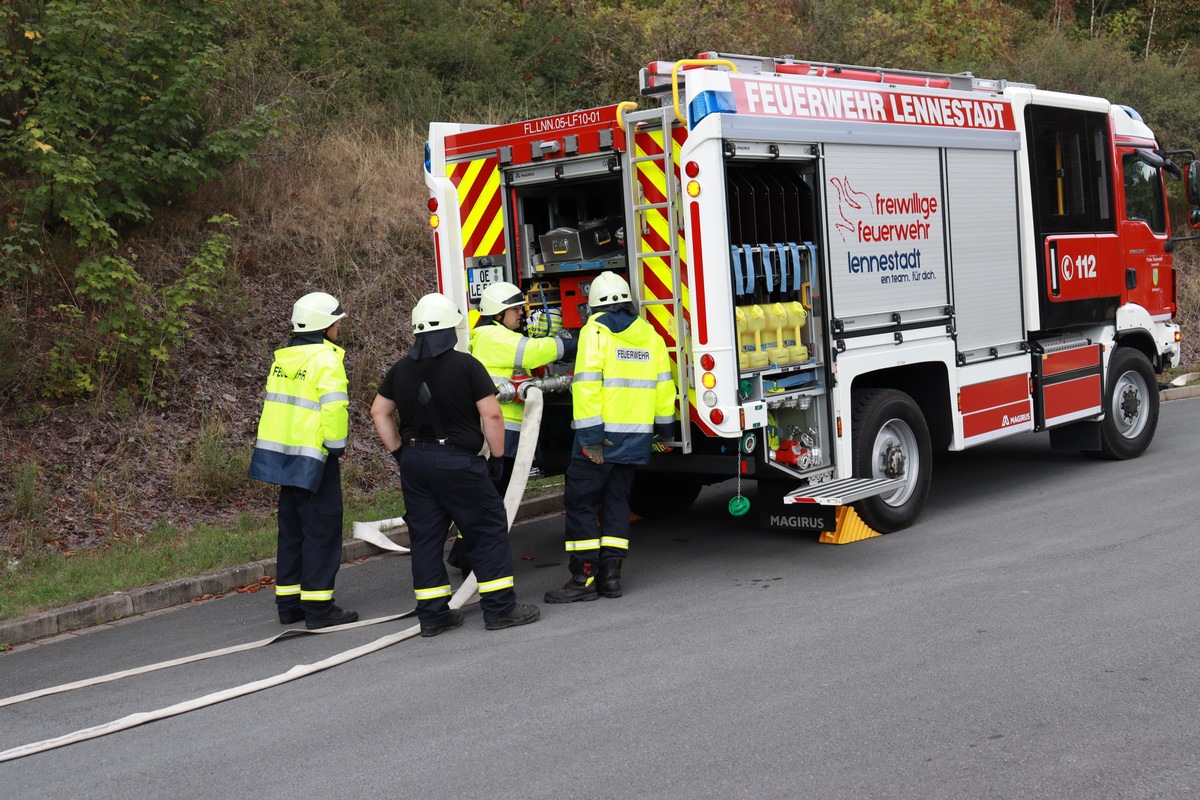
[(891, 440), (1130, 405), (660, 494)]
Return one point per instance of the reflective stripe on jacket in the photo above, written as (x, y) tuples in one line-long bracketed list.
[(622, 389), (501, 351), (305, 415)]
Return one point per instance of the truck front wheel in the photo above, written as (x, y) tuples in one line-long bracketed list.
[(891, 440), (1130, 405)]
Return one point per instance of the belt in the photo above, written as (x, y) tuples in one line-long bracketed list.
[(446, 447)]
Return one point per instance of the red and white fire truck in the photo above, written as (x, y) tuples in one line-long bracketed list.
[(851, 268)]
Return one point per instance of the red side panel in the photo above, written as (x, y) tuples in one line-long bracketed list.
[(1068, 360), (994, 408), (1069, 385), (1072, 397)]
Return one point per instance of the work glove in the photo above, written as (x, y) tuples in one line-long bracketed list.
[(495, 468), (396, 454), (594, 453), (660, 446)]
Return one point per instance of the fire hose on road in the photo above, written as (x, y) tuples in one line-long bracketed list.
[(530, 390)]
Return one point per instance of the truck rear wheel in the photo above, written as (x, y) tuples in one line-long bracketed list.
[(891, 440), (659, 494), (1130, 405)]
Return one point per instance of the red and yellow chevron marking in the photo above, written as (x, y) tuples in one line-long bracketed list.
[(478, 185), (656, 231)]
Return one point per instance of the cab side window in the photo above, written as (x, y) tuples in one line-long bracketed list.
[(1071, 179)]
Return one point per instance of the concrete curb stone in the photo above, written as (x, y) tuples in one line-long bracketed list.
[(148, 599), (1180, 392)]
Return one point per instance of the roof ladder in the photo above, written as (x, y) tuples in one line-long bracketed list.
[(657, 261)]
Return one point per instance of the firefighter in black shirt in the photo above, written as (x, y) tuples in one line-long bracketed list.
[(442, 395)]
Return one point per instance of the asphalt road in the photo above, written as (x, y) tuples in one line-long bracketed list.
[(1034, 636)]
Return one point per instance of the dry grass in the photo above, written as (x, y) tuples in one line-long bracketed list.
[(344, 214), (1187, 265)]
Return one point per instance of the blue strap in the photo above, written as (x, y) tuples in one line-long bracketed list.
[(765, 251), (782, 251), (795, 248), (749, 268), (738, 279)]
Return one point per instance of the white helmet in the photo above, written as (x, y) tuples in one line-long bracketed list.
[(435, 312), (316, 311), (607, 289), (499, 297)]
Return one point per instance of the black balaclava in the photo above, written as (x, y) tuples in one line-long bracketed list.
[(433, 344)]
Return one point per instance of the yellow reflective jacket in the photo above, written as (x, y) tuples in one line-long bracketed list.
[(305, 415), (622, 391), (501, 351)]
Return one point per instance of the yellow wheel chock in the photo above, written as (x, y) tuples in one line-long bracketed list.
[(850, 528)]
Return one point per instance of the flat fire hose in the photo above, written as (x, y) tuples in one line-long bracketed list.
[(466, 592)]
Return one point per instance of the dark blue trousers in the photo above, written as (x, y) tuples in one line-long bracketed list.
[(444, 484), (596, 502), (309, 550)]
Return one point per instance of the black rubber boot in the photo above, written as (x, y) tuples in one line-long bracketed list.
[(610, 577), (520, 614), (452, 620), (581, 587), (334, 616)]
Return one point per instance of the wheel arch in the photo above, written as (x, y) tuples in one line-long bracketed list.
[(1141, 340), (928, 384)]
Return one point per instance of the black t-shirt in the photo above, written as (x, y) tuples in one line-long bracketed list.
[(456, 381)]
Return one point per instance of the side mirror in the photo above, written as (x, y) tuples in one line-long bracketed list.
[(1149, 157), (1194, 218), (1192, 183)]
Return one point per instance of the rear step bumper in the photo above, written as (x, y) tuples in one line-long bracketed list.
[(843, 492)]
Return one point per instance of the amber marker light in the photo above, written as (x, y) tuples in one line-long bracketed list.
[(693, 188), (434, 220), (709, 380)]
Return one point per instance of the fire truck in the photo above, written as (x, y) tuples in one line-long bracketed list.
[(852, 268)]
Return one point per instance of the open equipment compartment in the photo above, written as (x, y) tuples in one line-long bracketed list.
[(776, 305)]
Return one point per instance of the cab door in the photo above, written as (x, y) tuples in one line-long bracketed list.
[(1144, 230)]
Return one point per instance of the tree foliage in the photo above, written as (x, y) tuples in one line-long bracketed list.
[(105, 114)]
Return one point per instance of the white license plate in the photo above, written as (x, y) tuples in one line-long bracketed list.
[(479, 278)]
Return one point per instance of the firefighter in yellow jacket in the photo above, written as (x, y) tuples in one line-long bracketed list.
[(301, 435), (498, 343), (624, 397)]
